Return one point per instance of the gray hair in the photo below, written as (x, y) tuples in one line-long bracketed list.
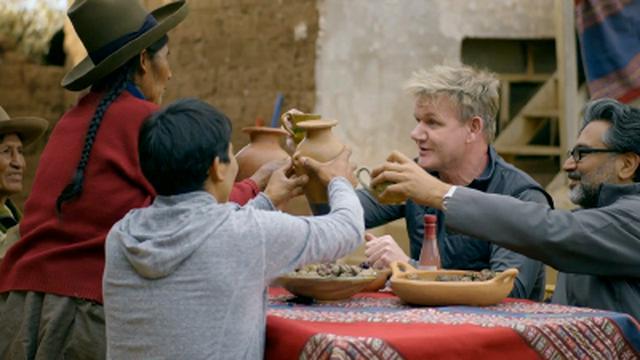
[(624, 133), (474, 91)]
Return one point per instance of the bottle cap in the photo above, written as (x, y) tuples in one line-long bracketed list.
[(430, 219)]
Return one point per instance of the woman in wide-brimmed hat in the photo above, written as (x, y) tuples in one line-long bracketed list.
[(15, 133), (88, 177)]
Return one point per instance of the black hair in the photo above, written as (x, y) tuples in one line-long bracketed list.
[(114, 84), (178, 144), (624, 133), (3, 135)]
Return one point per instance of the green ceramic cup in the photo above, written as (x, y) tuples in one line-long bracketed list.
[(375, 191), (290, 121)]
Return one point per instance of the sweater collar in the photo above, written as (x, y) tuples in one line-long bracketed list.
[(133, 89)]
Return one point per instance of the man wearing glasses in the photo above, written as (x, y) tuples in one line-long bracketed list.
[(595, 248)]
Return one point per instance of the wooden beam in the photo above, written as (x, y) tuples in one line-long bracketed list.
[(536, 78), (533, 150), (505, 109), (567, 71)]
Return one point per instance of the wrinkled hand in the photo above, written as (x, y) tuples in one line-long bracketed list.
[(262, 176), (339, 166), (281, 188), (382, 251), (408, 180)]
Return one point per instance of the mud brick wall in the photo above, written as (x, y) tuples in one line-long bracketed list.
[(237, 54), (31, 90)]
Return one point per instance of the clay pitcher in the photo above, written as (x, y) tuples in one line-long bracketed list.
[(264, 147), (322, 145)]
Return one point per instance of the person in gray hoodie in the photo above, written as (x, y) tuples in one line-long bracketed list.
[(187, 277), (595, 248)]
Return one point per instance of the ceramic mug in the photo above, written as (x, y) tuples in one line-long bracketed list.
[(289, 121), (374, 191)]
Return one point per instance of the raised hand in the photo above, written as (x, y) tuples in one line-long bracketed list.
[(339, 166), (406, 179), (281, 188), (263, 174)]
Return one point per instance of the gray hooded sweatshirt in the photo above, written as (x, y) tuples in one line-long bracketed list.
[(186, 277)]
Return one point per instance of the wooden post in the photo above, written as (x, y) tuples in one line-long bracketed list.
[(568, 98), (567, 74)]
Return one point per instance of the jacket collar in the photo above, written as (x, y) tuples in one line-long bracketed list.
[(482, 182), (610, 193)]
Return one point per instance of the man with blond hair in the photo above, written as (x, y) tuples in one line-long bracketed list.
[(455, 111)]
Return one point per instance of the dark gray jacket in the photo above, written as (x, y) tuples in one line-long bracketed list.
[(597, 250), (458, 251)]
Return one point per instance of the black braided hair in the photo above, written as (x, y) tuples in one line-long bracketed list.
[(74, 188), (114, 85)]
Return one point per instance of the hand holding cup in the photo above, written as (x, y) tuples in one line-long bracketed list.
[(408, 180)]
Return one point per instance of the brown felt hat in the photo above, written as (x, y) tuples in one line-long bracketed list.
[(29, 128), (113, 32)]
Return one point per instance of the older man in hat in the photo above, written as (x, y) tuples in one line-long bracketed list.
[(15, 133)]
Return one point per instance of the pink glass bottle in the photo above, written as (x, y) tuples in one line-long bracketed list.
[(429, 254)]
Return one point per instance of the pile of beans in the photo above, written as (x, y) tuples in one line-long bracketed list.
[(470, 276), (327, 270), (483, 275)]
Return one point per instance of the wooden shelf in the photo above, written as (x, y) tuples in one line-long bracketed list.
[(541, 113), (538, 78), (534, 150)]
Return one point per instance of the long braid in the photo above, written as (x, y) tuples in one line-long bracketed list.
[(74, 188)]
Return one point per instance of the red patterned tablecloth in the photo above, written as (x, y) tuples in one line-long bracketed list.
[(380, 326)]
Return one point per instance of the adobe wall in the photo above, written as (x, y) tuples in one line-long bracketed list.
[(238, 54)]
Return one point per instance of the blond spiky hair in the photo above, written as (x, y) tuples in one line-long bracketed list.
[(475, 91)]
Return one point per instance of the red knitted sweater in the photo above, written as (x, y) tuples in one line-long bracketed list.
[(65, 255)]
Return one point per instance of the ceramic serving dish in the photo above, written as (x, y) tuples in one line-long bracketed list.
[(420, 287), (325, 288)]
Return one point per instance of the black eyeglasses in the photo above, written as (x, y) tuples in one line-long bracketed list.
[(577, 153)]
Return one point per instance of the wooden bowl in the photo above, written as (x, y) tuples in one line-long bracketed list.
[(381, 275), (381, 279), (325, 288), (427, 291)]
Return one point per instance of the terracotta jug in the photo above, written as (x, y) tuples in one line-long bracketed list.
[(322, 145), (264, 147)]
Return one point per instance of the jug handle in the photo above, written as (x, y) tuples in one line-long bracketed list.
[(285, 120)]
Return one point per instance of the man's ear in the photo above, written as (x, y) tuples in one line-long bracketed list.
[(475, 126), (217, 170), (627, 165)]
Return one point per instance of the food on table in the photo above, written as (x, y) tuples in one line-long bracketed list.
[(332, 270), (470, 276)]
